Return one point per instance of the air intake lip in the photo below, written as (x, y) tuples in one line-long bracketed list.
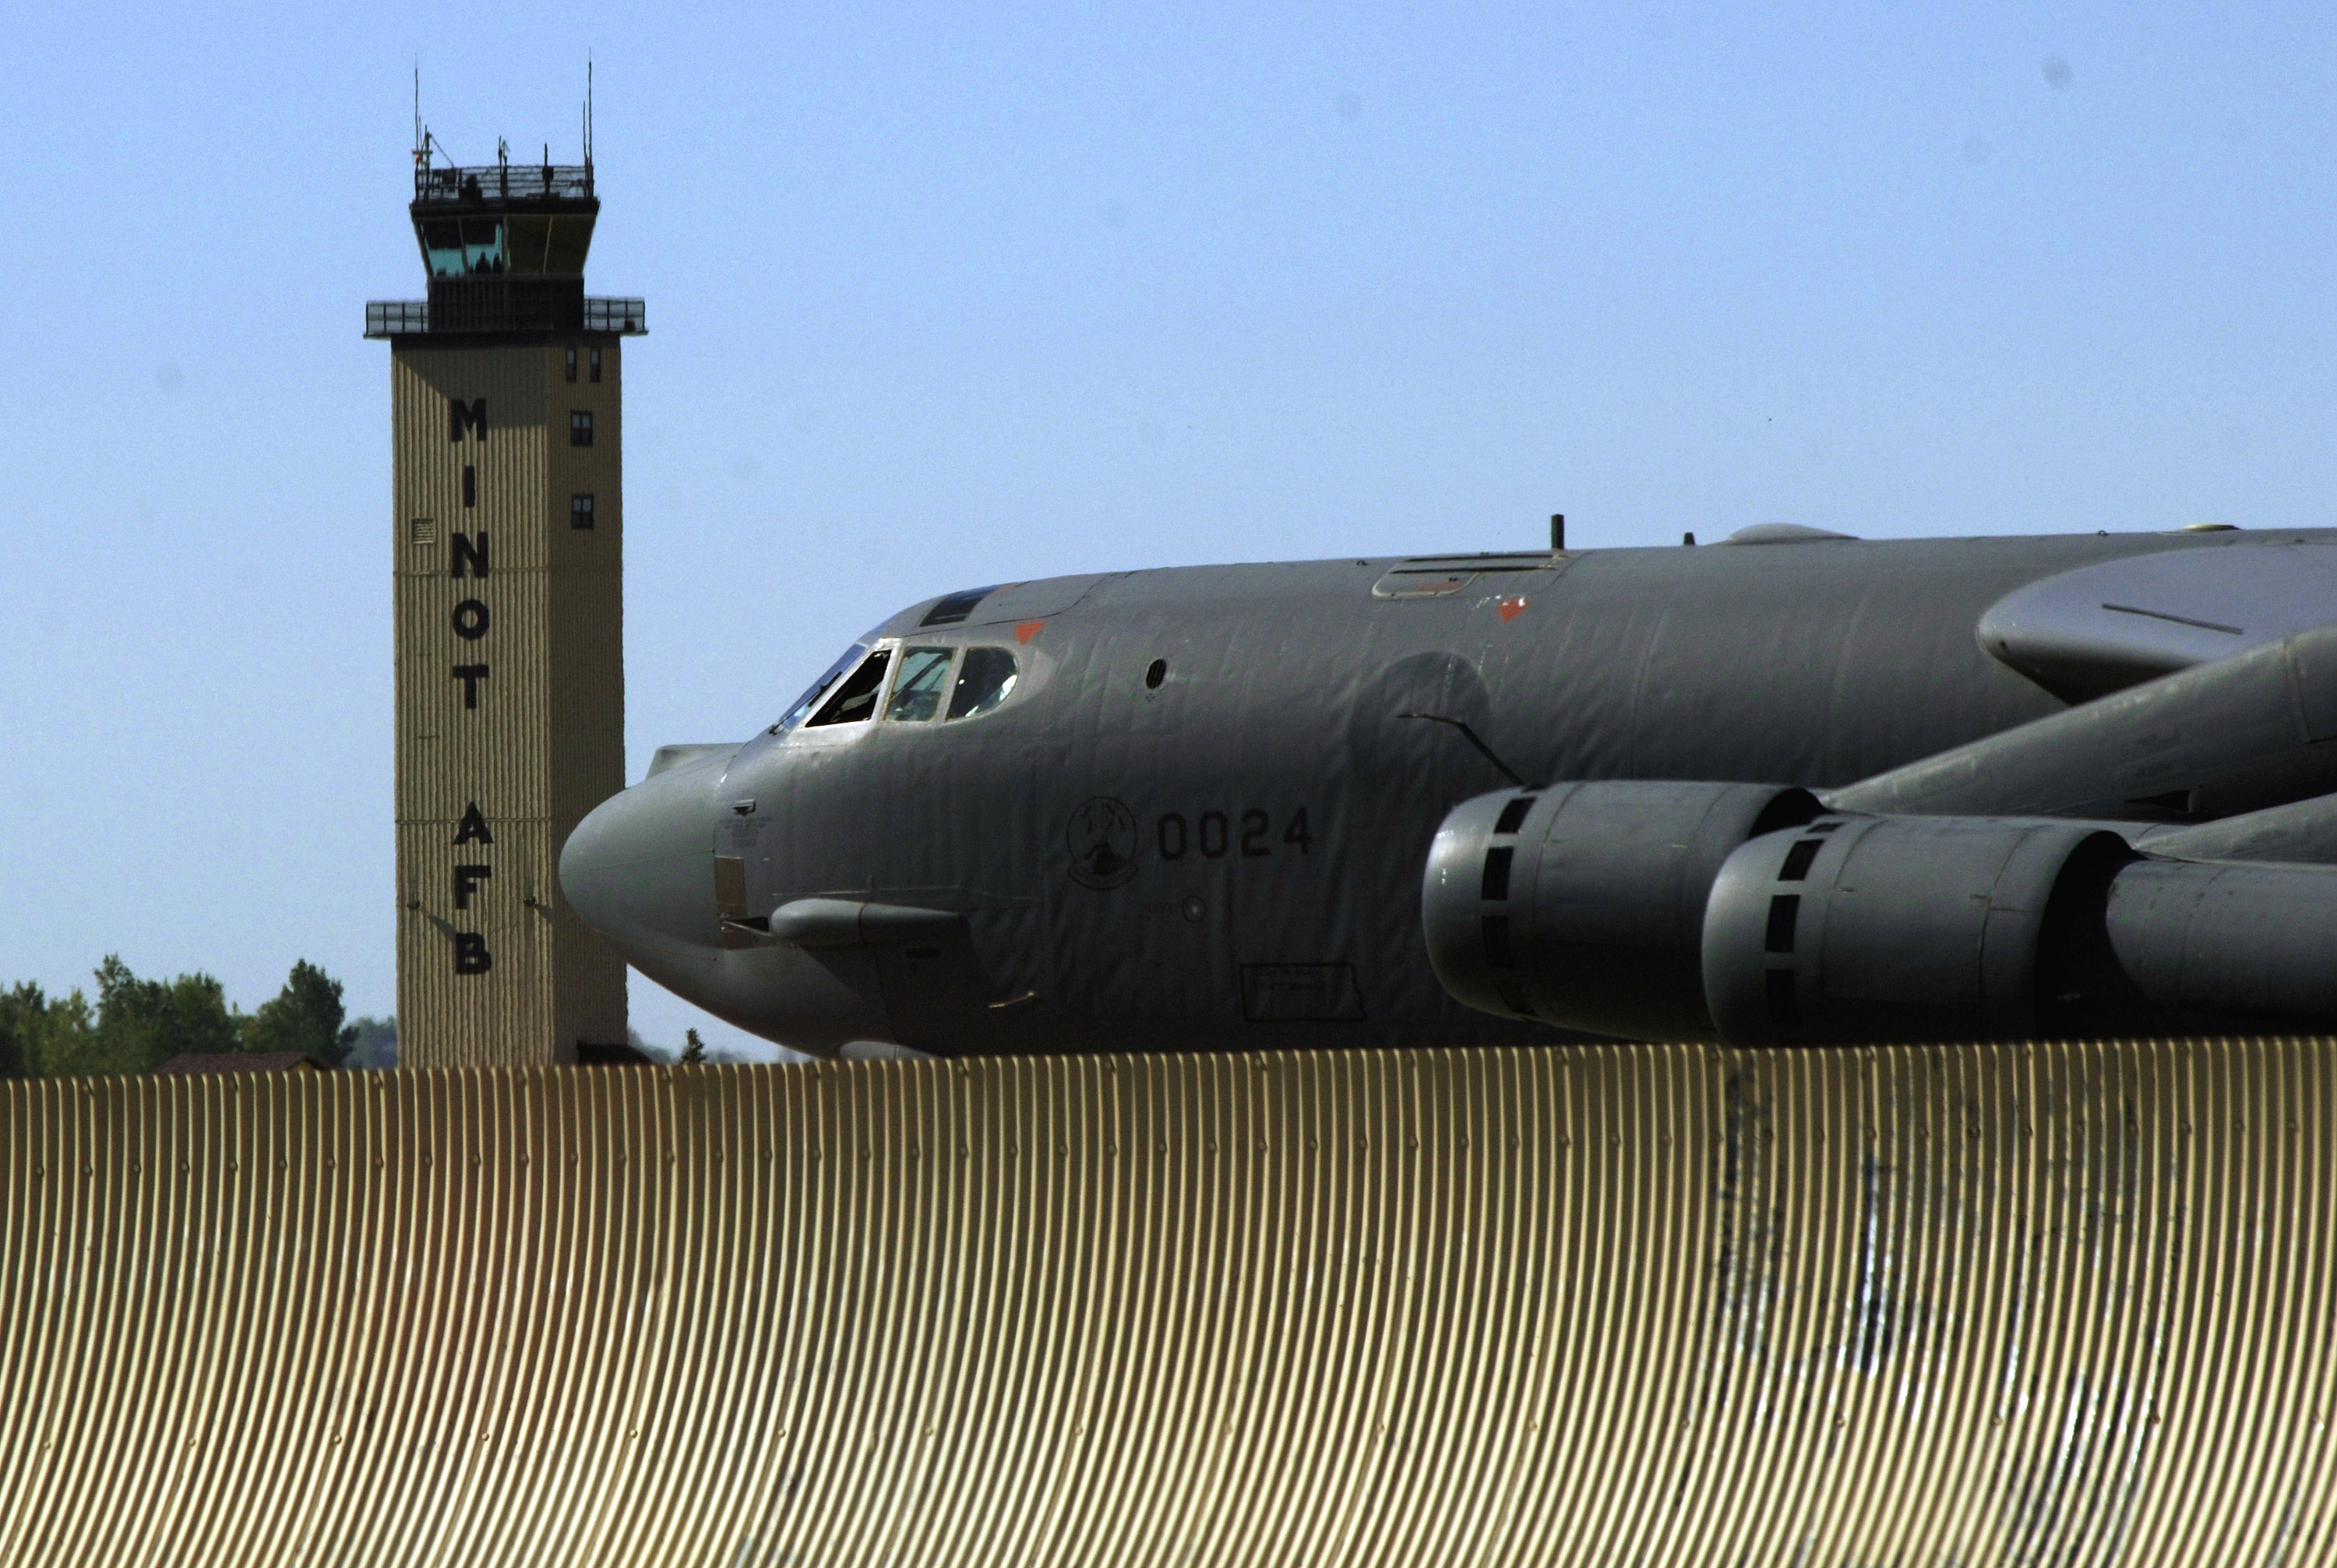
[(1582, 905)]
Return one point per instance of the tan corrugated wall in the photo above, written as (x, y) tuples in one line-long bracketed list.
[(545, 743), (1632, 1305)]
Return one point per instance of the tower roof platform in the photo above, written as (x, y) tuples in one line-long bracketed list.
[(504, 246)]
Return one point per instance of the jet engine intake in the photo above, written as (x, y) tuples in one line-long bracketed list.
[(1902, 928), (1582, 905), (1979, 928), (1749, 914)]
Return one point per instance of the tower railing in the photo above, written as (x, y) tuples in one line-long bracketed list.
[(397, 317), (411, 318), (629, 318), (503, 182)]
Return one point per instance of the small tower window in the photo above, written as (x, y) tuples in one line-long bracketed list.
[(425, 531), (571, 365), (580, 511), (470, 485), (596, 365), (580, 427)]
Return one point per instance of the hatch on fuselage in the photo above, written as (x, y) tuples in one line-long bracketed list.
[(1434, 576)]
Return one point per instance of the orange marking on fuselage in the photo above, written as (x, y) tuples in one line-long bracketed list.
[(1027, 630), (1509, 609)]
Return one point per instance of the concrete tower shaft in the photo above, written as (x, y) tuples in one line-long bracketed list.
[(507, 550)]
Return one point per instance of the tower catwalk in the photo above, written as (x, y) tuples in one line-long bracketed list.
[(506, 411)]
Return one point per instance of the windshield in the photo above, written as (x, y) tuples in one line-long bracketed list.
[(804, 704), (854, 696), (917, 689)]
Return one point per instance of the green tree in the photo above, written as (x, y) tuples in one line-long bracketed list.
[(693, 1049), (143, 1024), (305, 1017), (137, 1024), (39, 1037), (22, 1010)]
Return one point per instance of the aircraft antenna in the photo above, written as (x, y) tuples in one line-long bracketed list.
[(1474, 739)]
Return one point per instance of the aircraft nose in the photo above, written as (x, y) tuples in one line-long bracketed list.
[(640, 869)]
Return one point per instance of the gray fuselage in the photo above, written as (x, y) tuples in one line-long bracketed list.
[(1202, 815)]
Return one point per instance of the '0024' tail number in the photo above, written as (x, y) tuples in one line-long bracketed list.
[(1215, 835)]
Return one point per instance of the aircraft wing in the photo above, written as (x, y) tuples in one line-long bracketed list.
[(2103, 628)]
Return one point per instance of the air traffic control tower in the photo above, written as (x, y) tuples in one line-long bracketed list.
[(509, 532)]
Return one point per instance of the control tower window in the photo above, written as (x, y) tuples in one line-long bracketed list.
[(580, 511), (856, 696), (580, 427), (596, 364), (984, 679), (571, 366), (917, 693), (462, 247)]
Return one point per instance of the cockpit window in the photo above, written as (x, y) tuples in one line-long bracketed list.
[(856, 695), (917, 691), (984, 677), (804, 703)]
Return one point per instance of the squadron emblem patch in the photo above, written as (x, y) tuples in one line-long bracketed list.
[(1101, 838)]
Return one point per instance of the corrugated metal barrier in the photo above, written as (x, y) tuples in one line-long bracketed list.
[(1639, 1304)]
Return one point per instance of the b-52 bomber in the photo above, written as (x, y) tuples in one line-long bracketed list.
[(1793, 788)]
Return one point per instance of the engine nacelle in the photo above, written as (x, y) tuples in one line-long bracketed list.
[(2228, 942), (1894, 928), (1750, 914), (1582, 905), (1979, 928)]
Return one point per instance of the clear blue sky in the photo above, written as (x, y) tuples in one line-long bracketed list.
[(941, 295)]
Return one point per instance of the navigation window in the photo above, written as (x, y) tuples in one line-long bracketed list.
[(917, 692), (957, 606), (984, 678)]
